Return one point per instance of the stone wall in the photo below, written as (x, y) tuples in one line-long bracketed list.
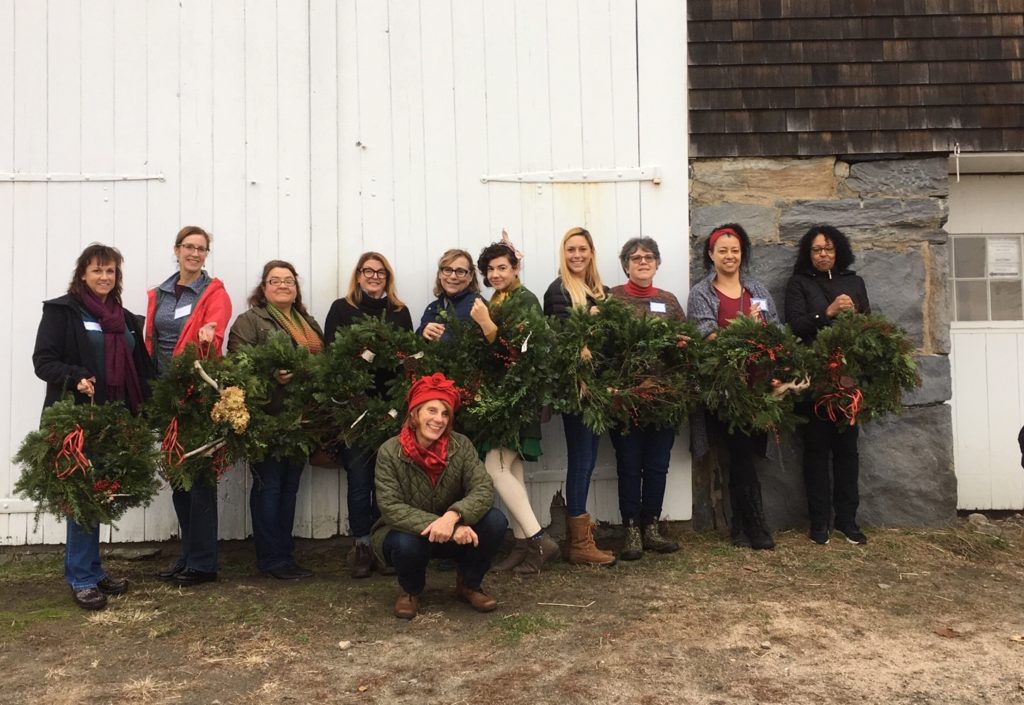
[(893, 211)]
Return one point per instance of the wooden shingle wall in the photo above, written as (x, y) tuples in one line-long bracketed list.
[(815, 77)]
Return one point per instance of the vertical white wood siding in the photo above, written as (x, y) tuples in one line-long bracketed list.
[(313, 131)]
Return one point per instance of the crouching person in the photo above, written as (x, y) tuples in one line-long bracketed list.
[(435, 500)]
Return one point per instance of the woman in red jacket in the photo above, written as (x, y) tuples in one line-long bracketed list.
[(190, 307)]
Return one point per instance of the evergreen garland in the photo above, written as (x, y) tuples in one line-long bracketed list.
[(361, 382), (740, 369), (202, 429), (620, 369), (280, 425), (861, 365), (504, 384), (88, 463)]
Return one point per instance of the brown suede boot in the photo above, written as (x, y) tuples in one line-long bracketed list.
[(406, 606), (582, 549), (514, 558), (539, 550), (476, 597)]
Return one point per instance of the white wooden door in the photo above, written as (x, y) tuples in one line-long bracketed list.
[(313, 131), (987, 336)]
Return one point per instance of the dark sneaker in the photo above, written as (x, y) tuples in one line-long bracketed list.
[(819, 535), (853, 534), (89, 598), (290, 572), (113, 587), (360, 560)]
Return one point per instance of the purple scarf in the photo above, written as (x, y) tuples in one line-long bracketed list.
[(121, 377)]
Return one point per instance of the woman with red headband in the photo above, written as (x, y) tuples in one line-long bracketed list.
[(435, 500), (725, 293)]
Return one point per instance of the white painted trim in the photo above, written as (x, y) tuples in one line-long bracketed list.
[(580, 176), (75, 178), (13, 505)]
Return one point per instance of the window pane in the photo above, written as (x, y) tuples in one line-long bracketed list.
[(971, 301), (968, 257), (1006, 301)]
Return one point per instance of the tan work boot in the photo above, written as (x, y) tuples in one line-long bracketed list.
[(476, 597), (514, 558), (406, 606), (539, 550), (582, 549)]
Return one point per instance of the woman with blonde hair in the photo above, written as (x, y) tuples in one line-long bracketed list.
[(578, 286), (371, 292)]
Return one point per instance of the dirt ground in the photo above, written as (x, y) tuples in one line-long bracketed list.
[(913, 617)]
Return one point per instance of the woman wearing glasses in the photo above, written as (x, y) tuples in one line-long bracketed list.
[(371, 292), (642, 453), (822, 287), (190, 308), (276, 305), (456, 288), (578, 286)]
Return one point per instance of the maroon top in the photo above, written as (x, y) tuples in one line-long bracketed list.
[(729, 308)]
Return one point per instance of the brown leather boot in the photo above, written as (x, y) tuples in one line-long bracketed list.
[(476, 597), (406, 606), (514, 558), (539, 550), (582, 549)]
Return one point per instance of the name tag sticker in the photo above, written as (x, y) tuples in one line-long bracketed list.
[(92, 325), (760, 303), (658, 307), (182, 311)]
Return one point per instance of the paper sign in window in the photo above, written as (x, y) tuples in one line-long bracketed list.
[(1004, 257)]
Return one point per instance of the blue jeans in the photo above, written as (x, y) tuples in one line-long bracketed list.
[(82, 567), (197, 516), (641, 458), (360, 464), (410, 553), (275, 483), (581, 446)]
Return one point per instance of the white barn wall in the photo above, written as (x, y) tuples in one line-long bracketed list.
[(313, 131)]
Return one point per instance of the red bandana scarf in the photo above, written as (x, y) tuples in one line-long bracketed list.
[(432, 460)]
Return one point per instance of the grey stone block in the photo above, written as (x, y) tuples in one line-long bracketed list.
[(903, 177), (936, 381), (941, 297), (907, 476), (872, 218), (758, 221), (896, 286)]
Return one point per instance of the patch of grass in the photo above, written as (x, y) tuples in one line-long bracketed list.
[(16, 622), (24, 570), (513, 627)]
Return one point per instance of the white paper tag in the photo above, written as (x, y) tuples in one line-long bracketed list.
[(182, 311), (418, 355), (760, 303), (527, 340), (359, 419), (93, 325), (658, 307), (368, 355), (393, 413)]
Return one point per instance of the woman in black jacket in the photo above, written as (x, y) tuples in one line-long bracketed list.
[(371, 292), (823, 286), (90, 345)]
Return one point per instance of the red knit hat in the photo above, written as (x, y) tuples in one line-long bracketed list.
[(435, 386)]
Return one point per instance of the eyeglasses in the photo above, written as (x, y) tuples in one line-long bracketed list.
[(637, 259), (450, 272), (277, 281), (195, 249), (823, 250), (374, 273)]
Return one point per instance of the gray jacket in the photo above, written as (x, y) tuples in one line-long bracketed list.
[(702, 304)]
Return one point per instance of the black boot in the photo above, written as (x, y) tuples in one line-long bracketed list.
[(753, 520), (633, 543), (739, 538)]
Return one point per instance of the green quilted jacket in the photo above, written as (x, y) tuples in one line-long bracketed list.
[(408, 502)]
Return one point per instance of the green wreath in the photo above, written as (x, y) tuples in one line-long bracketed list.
[(620, 369), (199, 409), (88, 463), (361, 383), (862, 364), (280, 425), (745, 371)]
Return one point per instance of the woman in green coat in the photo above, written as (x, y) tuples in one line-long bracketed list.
[(435, 501)]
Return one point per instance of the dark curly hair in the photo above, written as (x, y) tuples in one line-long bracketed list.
[(103, 255), (844, 255), (493, 251), (744, 245)]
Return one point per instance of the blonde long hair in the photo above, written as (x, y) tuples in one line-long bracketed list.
[(355, 292), (590, 284)]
